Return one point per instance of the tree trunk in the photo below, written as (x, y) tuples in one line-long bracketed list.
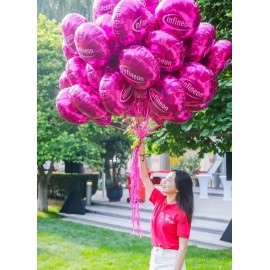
[(43, 180), (42, 194)]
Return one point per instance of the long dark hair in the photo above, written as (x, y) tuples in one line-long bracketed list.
[(184, 197)]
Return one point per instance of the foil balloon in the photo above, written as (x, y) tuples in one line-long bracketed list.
[(169, 51), (67, 52), (139, 108), (92, 44), (130, 21), (219, 56), (87, 101), (201, 42), (139, 67), (70, 23), (94, 76), (182, 117), (150, 5), (75, 71), (199, 83), (67, 110), (178, 17), (101, 7), (166, 98), (104, 121), (116, 94), (198, 107), (63, 81), (159, 120), (105, 22)]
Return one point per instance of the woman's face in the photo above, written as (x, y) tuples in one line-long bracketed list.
[(168, 184)]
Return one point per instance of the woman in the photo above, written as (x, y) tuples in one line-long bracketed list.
[(171, 217)]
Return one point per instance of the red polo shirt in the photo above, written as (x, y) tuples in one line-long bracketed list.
[(168, 222)]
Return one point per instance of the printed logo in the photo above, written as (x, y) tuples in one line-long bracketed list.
[(168, 219), (140, 25), (106, 8), (130, 75), (176, 22), (190, 90), (69, 39), (164, 63), (154, 96), (126, 94), (87, 53)]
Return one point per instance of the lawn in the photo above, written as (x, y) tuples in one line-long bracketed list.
[(67, 245)]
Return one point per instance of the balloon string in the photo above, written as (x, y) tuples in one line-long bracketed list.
[(134, 192)]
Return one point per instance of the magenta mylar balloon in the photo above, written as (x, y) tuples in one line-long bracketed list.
[(140, 107), (198, 107), (67, 110), (130, 22), (178, 17), (94, 76), (70, 23), (182, 117), (139, 67), (63, 81), (87, 101), (166, 98), (116, 94), (105, 22), (68, 53), (159, 120), (150, 5), (104, 121), (101, 7), (199, 83), (75, 71), (169, 50), (219, 56), (200, 43), (92, 44)]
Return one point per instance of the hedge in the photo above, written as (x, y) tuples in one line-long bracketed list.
[(62, 184)]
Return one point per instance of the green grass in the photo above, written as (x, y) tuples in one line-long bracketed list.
[(67, 245)]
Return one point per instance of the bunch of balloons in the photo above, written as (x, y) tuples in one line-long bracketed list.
[(144, 62)]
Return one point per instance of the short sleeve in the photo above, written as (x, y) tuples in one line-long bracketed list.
[(156, 197), (183, 226)]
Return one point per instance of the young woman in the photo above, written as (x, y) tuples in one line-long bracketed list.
[(171, 217)]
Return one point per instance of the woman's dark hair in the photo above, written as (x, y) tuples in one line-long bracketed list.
[(184, 197)]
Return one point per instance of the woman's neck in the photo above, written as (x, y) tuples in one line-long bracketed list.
[(171, 198)]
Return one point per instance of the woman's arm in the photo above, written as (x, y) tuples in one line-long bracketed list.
[(144, 170), (180, 256)]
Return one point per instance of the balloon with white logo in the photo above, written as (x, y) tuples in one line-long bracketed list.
[(167, 98), (92, 44), (198, 82), (69, 25), (116, 94), (130, 22), (170, 51), (178, 17), (101, 7), (139, 67)]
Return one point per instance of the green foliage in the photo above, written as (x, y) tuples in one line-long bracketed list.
[(62, 183), (209, 130), (56, 139), (189, 164)]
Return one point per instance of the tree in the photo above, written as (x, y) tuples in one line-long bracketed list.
[(210, 129), (58, 9), (57, 140)]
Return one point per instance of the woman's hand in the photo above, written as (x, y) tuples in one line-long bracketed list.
[(141, 145)]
